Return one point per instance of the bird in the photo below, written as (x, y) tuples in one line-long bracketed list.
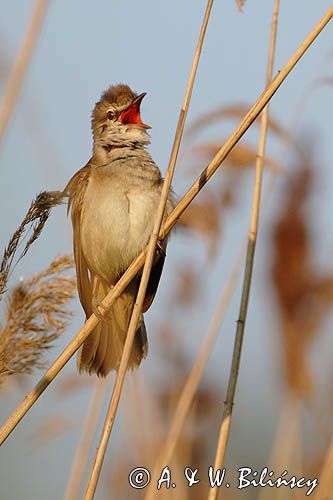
[(113, 202)]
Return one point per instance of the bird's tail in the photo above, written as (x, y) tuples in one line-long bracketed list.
[(102, 350)]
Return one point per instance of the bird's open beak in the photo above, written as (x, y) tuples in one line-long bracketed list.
[(132, 113)]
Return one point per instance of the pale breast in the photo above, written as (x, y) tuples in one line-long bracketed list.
[(117, 220)]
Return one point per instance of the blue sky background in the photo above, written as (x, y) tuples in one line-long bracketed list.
[(84, 47)]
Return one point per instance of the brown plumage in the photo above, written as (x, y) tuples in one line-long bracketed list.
[(113, 202)]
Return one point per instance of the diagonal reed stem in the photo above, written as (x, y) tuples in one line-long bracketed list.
[(171, 221), (137, 310), (228, 406), (21, 64)]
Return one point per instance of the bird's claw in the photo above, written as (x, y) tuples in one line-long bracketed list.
[(159, 249), (99, 309)]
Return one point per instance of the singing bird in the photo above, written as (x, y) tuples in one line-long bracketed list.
[(113, 202)]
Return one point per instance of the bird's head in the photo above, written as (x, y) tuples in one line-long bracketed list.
[(116, 120)]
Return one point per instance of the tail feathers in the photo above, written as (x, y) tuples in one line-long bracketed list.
[(102, 350)]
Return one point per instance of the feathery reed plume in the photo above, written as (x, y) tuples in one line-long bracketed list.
[(35, 219), (203, 218), (304, 296), (186, 290), (35, 317), (233, 112), (242, 156)]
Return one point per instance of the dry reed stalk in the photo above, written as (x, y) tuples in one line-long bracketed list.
[(20, 66), (228, 405), (171, 221), (190, 387), (35, 317), (86, 438), (325, 487), (150, 255)]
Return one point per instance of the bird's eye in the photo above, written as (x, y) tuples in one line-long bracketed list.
[(111, 115)]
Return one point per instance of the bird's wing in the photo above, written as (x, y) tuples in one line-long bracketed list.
[(75, 190), (154, 278), (157, 268)]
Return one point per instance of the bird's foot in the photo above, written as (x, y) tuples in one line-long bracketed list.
[(159, 249), (99, 309)]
